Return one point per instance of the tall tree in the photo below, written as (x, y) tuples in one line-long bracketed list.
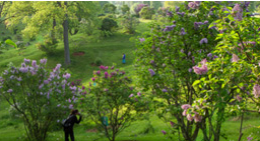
[(36, 16)]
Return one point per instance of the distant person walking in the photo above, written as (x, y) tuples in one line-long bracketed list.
[(123, 58), (68, 124)]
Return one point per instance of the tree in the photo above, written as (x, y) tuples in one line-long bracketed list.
[(112, 101), (109, 8), (147, 13), (36, 16), (166, 65), (125, 9), (40, 96), (156, 4), (129, 23)]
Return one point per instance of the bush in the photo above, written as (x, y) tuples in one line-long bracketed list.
[(108, 24), (98, 61), (40, 96), (49, 46), (147, 13)]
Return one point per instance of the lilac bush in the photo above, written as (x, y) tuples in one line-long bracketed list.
[(167, 65), (113, 97), (40, 96)]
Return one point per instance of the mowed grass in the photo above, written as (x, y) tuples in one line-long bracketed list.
[(109, 50)]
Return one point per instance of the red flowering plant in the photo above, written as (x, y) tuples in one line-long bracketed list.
[(167, 65), (112, 96), (41, 97)]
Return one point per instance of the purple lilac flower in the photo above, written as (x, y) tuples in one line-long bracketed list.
[(139, 93), (164, 90), (206, 22), (204, 41), (185, 106), (34, 64), (169, 28), (131, 95), (256, 90), (215, 56), (169, 13), (46, 81), (177, 9), (192, 5), (172, 123), (40, 86), (200, 70), (141, 40), (58, 105), (234, 58), (74, 88), (189, 117), (151, 72), (182, 50), (197, 117), (174, 22), (181, 13), (71, 106), (43, 61), (152, 61), (112, 67), (249, 138), (10, 90), (19, 79), (164, 132), (209, 55), (239, 98), (23, 65), (27, 61), (48, 95), (238, 10), (66, 76), (24, 69), (183, 31), (190, 70)]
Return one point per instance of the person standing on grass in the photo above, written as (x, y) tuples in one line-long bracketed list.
[(123, 58), (68, 125)]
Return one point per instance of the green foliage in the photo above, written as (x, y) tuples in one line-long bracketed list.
[(147, 13), (125, 9), (172, 4), (108, 24), (111, 95), (156, 4), (39, 104), (98, 61), (48, 46), (129, 23), (109, 8), (166, 62)]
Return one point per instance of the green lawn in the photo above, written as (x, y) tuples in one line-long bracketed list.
[(110, 51)]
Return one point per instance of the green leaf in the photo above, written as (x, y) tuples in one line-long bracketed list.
[(11, 43), (196, 82)]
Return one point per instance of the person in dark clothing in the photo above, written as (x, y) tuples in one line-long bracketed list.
[(72, 119)]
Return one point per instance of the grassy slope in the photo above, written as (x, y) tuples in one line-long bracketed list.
[(110, 51)]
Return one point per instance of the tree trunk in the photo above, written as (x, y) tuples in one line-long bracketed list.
[(66, 39), (220, 117)]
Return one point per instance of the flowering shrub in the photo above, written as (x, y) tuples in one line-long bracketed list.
[(112, 96), (41, 97), (231, 83), (167, 65)]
